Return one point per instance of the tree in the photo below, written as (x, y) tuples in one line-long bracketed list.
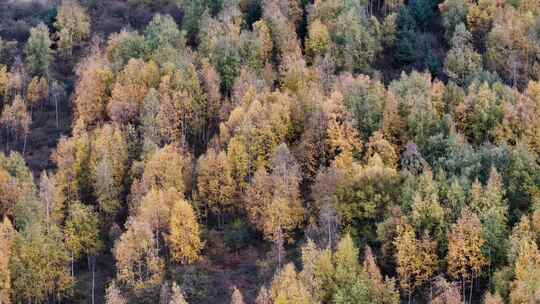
[(123, 46), (73, 25), (138, 264), (6, 237), (16, 120), (453, 12), (287, 288), (38, 50), (167, 168), (462, 61), (465, 257), (237, 297), (177, 296), (526, 258), (162, 32), (273, 200), (317, 271), (108, 166), (351, 280), (184, 239), (39, 265), (82, 236), (416, 259), (365, 195), (37, 92), (113, 295), (490, 298), (384, 290), (446, 293), (131, 87), (491, 208), (318, 41), (92, 91), (215, 186)]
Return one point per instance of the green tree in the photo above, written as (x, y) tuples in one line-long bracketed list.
[(38, 50), (462, 61)]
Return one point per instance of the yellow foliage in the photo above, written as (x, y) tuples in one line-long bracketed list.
[(184, 233)]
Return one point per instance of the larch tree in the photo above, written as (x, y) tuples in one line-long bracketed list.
[(489, 204), (273, 200), (184, 238), (177, 296), (92, 91), (446, 293), (416, 259), (155, 210), (73, 25), (215, 185), (287, 288), (40, 265), (236, 297), (350, 279), (108, 166), (526, 259), (37, 92), (113, 295), (16, 120), (318, 271), (138, 264), (6, 236), (384, 289), (50, 200), (82, 232), (465, 258), (462, 61), (168, 168)]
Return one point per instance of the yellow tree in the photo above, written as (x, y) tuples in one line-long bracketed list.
[(184, 233), (168, 168), (37, 92), (465, 241), (131, 87), (273, 200), (288, 289), (526, 258), (91, 91), (237, 297), (73, 25), (215, 185), (177, 296), (239, 163), (155, 210), (108, 162), (138, 265), (416, 259), (6, 231)]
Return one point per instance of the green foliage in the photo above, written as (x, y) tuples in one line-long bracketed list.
[(38, 50)]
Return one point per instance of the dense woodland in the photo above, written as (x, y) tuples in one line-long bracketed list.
[(270, 151)]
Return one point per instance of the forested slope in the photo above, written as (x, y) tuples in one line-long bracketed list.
[(270, 151)]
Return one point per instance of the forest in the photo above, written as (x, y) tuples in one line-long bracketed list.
[(269, 151)]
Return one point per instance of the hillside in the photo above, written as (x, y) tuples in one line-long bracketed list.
[(270, 151)]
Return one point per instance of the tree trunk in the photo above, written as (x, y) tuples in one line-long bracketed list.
[(93, 279), (24, 144), (56, 110)]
